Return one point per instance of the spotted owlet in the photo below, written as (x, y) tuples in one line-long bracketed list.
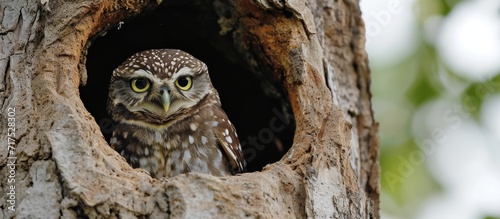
[(168, 116)]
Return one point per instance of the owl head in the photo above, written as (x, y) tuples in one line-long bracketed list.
[(156, 86)]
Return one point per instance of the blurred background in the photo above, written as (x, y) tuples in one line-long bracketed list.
[(436, 94)]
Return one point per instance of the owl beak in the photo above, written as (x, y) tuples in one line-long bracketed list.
[(165, 99)]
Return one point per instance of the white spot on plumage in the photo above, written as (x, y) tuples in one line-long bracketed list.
[(143, 161), (146, 151), (175, 155), (204, 139), (158, 137), (229, 139), (218, 159), (227, 132), (200, 165), (187, 156), (191, 139), (113, 140), (202, 153), (214, 123), (125, 134), (193, 126)]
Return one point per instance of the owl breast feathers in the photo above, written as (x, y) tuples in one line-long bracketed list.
[(168, 117)]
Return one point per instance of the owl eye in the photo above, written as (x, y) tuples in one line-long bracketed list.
[(184, 82), (140, 85)]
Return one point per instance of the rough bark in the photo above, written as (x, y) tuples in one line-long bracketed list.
[(65, 168)]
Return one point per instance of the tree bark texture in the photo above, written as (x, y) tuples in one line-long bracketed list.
[(65, 168)]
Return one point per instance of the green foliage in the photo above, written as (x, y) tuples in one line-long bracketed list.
[(475, 94), (428, 8), (403, 170)]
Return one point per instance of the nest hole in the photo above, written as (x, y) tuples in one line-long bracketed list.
[(263, 119)]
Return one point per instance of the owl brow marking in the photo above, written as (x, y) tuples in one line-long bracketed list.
[(147, 74), (184, 71), (142, 72)]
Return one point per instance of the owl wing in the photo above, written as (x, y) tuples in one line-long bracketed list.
[(227, 139)]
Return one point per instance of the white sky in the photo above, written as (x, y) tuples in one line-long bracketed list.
[(467, 163)]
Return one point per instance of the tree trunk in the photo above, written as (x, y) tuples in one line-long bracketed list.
[(55, 162)]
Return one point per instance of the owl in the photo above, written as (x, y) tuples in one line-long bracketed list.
[(168, 118)]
